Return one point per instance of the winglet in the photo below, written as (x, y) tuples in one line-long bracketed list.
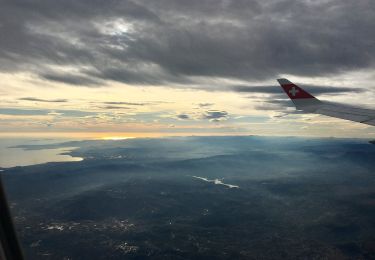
[(301, 99), (293, 91)]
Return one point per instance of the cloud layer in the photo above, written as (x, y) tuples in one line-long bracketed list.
[(43, 100), (173, 42), (311, 88)]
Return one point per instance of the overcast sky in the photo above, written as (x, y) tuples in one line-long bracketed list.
[(164, 67)]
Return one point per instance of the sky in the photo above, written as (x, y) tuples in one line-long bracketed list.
[(163, 68)]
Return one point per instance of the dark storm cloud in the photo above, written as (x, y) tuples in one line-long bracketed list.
[(44, 100), (313, 89), (170, 41)]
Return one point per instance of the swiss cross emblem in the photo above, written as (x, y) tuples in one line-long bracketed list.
[(293, 91)]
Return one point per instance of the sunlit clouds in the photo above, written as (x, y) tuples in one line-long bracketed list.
[(164, 68)]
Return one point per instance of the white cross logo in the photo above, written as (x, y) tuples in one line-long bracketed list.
[(293, 91)]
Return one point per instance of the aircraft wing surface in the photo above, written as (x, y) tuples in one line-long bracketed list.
[(304, 101)]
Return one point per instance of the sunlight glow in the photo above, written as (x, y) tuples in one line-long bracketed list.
[(115, 138)]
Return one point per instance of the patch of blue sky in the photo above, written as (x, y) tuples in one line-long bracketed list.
[(41, 112), (23, 112)]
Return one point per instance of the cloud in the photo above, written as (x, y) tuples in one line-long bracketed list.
[(205, 104), (170, 42), (114, 107), (183, 116), (313, 89), (44, 100), (215, 115), (72, 79), (124, 103)]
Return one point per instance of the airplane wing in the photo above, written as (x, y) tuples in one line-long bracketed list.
[(304, 101)]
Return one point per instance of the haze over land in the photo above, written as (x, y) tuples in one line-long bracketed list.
[(141, 68), (297, 198)]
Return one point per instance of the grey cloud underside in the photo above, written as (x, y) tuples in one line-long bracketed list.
[(214, 115), (211, 115), (72, 79), (313, 89), (279, 105), (278, 101), (44, 100), (183, 116), (114, 107), (124, 103), (178, 42), (205, 104)]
